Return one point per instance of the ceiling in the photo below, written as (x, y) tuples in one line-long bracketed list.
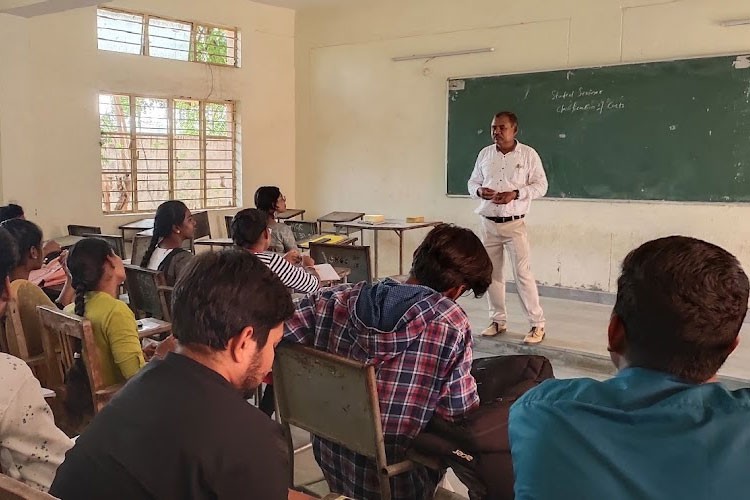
[(31, 8), (306, 4)]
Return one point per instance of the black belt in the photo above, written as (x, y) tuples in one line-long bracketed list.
[(500, 220)]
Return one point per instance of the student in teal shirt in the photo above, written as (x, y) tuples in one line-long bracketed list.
[(663, 427)]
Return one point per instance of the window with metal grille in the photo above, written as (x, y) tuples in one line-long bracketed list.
[(143, 34), (156, 149)]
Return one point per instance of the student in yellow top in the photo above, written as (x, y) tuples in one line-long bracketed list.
[(97, 273), (28, 238)]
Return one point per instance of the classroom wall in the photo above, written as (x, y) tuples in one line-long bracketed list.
[(51, 72), (371, 132)]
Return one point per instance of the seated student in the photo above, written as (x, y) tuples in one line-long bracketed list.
[(173, 224), (182, 428), (420, 340), (250, 231), (663, 427), (97, 273), (31, 447), (13, 211), (269, 200), (28, 239)]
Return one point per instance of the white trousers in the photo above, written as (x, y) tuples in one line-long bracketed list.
[(511, 236)]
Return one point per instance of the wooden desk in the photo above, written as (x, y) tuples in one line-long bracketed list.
[(290, 213), (335, 217), (397, 226), (339, 239), (148, 327), (67, 241), (343, 272), (137, 226), (219, 242)]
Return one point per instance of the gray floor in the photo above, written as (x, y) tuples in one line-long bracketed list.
[(576, 344)]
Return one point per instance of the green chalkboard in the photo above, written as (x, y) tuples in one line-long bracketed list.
[(677, 130)]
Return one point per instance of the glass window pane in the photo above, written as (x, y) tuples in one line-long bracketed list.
[(119, 31), (215, 45), (169, 39), (151, 116), (114, 113)]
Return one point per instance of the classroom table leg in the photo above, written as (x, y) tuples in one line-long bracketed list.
[(400, 252), (375, 244)]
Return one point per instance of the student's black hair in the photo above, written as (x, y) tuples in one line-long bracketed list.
[(682, 302), (266, 198), (27, 236), (168, 214), (10, 211), (86, 264), (451, 256), (247, 227), (8, 256), (222, 293), (510, 115)]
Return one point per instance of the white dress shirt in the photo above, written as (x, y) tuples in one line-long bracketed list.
[(520, 169)]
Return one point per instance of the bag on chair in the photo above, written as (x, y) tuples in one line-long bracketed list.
[(477, 448)]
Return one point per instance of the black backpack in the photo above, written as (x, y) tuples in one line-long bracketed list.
[(477, 448)]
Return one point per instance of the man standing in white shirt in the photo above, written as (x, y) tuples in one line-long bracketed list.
[(506, 177)]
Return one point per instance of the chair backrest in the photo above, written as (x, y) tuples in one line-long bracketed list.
[(228, 223), (202, 225), (140, 246), (76, 230), (335, 398), (143, 291), (115, 241), (331, 396), (71, 330), (302, 229), (15, 340), (356, 258), (10, 489)]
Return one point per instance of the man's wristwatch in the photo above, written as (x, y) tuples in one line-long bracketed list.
[(517, 194)]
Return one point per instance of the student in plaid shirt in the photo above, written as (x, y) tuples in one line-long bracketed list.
[(419, 340)]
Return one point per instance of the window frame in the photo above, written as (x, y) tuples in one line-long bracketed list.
[(192, 52), (132, 136)]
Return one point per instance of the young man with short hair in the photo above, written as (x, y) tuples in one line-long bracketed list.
[(663, 427), (182, 427), (418, 338)]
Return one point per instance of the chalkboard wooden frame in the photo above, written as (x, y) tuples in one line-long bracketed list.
[(694, 193)]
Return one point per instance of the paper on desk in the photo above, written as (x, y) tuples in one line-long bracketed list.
[(326, 272)]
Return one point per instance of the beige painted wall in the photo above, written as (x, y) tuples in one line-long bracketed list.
[(51, 73), (371, 133)]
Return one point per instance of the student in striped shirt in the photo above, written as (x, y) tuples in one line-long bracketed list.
[(250, 231)]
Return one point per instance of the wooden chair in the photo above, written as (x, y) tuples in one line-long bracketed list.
[(165, 297), (76, 230), (302, 229), (45, 368), (143, 292), (355, 258), (334, 398), (228, 223), (67, 328), (10, 489), (140, 246), (115, 241)]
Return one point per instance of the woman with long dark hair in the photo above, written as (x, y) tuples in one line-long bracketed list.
[(97, 273), (28, 295), (173, 225), (269, 200)]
